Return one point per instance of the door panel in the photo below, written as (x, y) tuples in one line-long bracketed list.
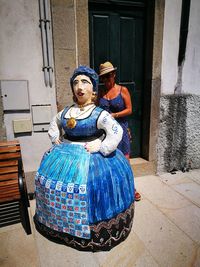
[(127, 41), (100, 27), (116, 35)]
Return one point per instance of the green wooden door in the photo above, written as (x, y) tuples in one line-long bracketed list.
[(117, 35)]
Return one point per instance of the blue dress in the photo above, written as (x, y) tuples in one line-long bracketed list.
[(113, 106), (84, 200)]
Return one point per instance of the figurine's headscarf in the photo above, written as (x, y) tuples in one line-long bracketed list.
[(84, 70)]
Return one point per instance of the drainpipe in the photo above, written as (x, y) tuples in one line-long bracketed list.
[(46, 35), (185, 14), (49, 41)]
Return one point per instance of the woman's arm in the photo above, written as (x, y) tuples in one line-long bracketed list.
[(128, 105), (55, 128), (113, 133)]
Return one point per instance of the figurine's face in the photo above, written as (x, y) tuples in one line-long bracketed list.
[(83, 89)]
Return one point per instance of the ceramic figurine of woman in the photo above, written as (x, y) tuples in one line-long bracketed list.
[(84, 185)]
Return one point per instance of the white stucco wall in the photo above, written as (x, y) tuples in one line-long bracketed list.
[(191, 65), (191, 68), (21, 59), (169, 74)]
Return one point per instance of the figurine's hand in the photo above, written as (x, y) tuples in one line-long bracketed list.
[(93, 146), (57, 142)]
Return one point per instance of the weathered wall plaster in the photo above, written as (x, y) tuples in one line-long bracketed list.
[(179, 136)]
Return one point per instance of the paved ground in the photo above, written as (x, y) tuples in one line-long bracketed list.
[(166, 232)]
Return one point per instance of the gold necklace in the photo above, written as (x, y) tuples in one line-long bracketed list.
[(71, 123)]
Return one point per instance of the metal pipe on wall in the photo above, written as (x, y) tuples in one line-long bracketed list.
[(45, 25), (49, 40), (44, 43)]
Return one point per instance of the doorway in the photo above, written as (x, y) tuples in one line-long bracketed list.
[(117, 34)]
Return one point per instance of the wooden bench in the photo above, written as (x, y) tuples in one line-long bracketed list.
[(14, 200)]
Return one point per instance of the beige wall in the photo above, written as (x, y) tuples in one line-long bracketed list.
[(156, 78), (71, 43)]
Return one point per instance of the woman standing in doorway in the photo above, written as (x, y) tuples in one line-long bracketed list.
[(116, 100)]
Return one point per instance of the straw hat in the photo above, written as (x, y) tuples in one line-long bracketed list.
[(106, 68)]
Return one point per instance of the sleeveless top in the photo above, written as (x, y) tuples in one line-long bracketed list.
[(115, 105)]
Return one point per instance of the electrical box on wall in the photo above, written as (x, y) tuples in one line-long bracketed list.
[(41, 128), (42, 115), (22, 126), (15, 95)]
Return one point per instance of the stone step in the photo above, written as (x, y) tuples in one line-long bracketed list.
[(142, 167)]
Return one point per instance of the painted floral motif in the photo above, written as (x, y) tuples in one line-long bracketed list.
[(115, 128)]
